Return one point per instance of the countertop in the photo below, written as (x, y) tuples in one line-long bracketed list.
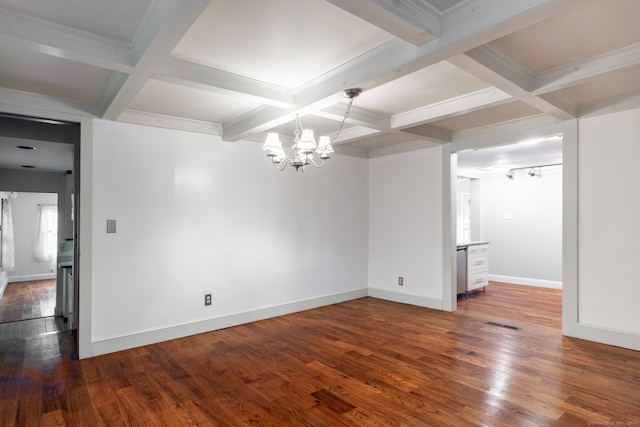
[(465, 245)]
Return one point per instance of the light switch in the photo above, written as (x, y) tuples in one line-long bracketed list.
[(111, 226), (507, 215)]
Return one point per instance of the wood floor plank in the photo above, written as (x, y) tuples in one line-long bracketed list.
[(28, 300), (365, 362)]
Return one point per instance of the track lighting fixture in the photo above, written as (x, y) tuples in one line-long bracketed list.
[(533, 170)]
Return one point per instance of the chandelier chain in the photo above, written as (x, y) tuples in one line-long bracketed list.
[(346, 116)]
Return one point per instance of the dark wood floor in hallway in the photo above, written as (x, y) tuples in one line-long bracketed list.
[(359, 363), (28, 300)]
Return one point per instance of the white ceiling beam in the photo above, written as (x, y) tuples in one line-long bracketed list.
[(367, 123), (450, 107), (478, 24), (32, 34), (504, 73), (408, 20), (201, 77), (495, 68), (554, 105), (430, 133), (30, 101), (354, 134), (357, 116), (581, 71), (403, 147), (623, 102), (259, 120), (167, 122), (164, 25)]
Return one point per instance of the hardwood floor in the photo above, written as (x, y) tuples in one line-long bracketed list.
[(359, 363), (28, 300)]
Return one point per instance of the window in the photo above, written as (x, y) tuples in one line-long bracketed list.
[(47, 233)]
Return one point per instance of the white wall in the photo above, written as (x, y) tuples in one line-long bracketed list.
[(609, 229), (405, 237), (196, 215), (526, 249), (24, 210)]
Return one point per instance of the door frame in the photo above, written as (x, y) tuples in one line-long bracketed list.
[(505, 135)]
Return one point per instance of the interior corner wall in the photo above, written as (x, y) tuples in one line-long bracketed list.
[(405, 231), (196, 215), (522, 220), (609, 208)]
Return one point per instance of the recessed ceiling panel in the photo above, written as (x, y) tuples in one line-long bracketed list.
[(593, 28), (116, 19), (320, 126), (47, 75), (620, 82), (487, 116), (430, 85), (178, 101), (283, 42)]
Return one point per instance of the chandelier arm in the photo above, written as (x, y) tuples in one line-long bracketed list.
[(318, 165), (283, 164)]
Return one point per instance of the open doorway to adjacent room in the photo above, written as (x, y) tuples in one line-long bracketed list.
[(509, 226), (38, 294)]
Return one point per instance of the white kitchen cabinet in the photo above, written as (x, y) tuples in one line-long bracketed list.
[(477, 266)]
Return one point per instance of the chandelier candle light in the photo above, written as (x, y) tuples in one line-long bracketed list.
[(305, 143)]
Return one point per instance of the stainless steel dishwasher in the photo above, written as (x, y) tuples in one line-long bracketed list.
[(461, 258)]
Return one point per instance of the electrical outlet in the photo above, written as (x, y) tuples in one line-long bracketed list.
[(207, 299), (400, 281)]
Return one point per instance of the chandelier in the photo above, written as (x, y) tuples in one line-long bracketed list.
[(305, 143)]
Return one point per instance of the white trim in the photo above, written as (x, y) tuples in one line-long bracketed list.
[(609, 336), (3, 286), (165, 333), (420, 301), (527, 281), (32, 277)]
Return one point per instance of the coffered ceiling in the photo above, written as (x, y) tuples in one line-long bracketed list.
[(430, 70)]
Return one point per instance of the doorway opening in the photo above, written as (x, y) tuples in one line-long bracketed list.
[(38, 158), (509, 200), (29, 235)]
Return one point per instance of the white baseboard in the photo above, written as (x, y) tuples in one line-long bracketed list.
[(526, 281), (32, 277), (420, 301), (110, 345), (609, 336), (3, 286)]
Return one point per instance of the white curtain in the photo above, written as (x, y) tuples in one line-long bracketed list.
[(7, 253), (47, 233)]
